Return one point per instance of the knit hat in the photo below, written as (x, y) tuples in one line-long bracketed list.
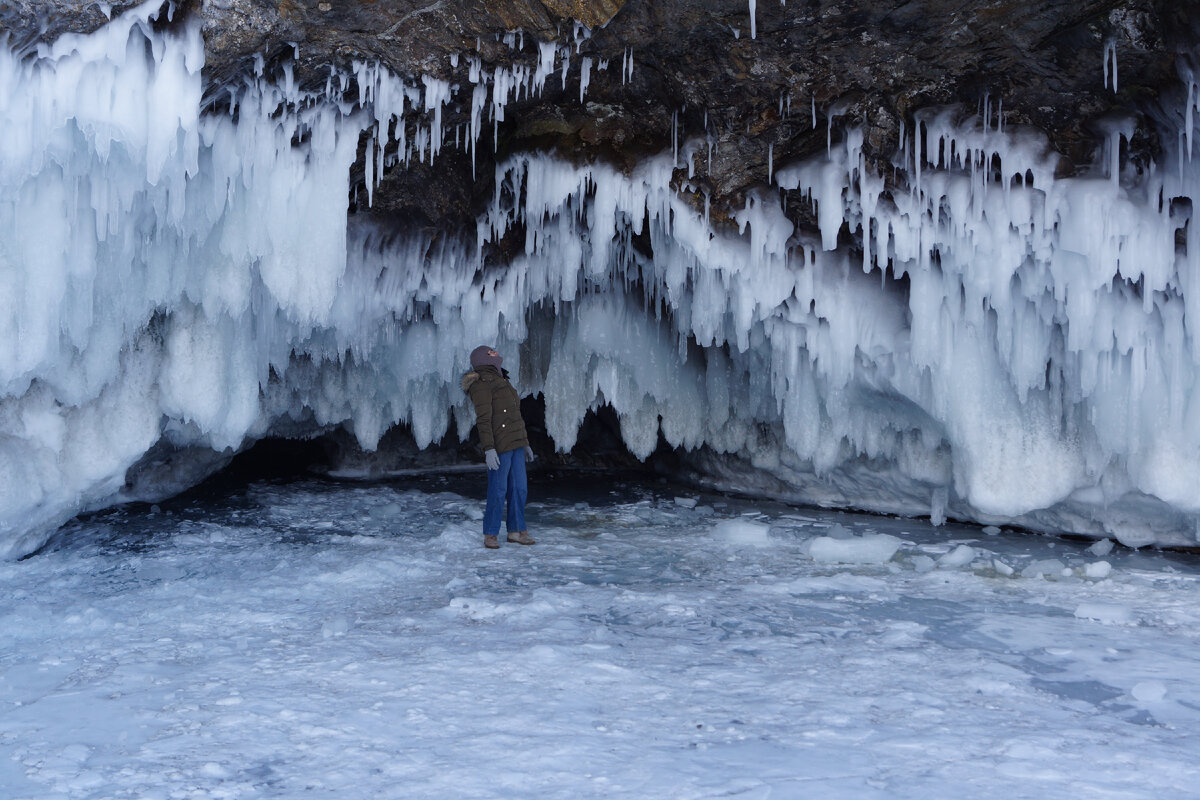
[(484, 356)]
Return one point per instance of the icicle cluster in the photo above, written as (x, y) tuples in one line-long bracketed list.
[(1006, 345)]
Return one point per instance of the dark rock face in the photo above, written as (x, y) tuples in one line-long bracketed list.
[(865, 63), (27, 22)]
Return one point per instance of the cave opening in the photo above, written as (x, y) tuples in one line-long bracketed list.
[(335, 455)]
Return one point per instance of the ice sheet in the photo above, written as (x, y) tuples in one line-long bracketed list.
[(328, 640)]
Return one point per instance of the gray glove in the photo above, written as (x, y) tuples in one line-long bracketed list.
[(529, 456), (492, 458)]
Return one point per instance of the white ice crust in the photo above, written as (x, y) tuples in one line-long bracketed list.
[(1007, 346)]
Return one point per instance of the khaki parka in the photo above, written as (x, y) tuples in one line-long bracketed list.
[(497, 410)]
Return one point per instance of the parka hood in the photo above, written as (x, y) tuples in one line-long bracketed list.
[(484, 372)]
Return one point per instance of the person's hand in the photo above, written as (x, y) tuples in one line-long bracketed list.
[(492, 458), (529, 456)]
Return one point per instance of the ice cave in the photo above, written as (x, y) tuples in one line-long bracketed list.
[(963, 332)]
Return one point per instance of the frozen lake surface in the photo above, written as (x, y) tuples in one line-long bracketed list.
[(330, 640)]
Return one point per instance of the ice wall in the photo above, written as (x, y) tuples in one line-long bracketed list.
[(996, 343)]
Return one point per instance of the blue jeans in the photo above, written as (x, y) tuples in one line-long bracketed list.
[(508, 480)]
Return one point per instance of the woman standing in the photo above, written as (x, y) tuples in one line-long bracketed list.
[(504, 442)]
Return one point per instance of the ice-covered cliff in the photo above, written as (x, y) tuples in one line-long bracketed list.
[(966, 330)]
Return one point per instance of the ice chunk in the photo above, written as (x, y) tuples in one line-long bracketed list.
[(1107, 613), (387, 511), (1043, 567), (937, 507), (1097, 570), (743, 532), (958, 557), (1101, 548), (685, 502), (1148, 691), (839, 531), (335, 626), (877, 548)]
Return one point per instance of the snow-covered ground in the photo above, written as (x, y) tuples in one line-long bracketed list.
[(333, 640)]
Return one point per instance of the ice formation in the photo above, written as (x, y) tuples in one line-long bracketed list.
[(1005, 345)]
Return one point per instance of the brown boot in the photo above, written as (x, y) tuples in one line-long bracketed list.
[(519, 537), (491, 542)]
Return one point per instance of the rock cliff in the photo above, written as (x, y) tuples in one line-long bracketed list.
[(762, 81)]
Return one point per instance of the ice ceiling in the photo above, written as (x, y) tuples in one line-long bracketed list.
[(998, 343)]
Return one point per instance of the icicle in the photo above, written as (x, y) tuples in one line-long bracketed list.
[(1110, 56), (753, 21), (1115, 130), (581, 35), (478, 101), (585, 76), (1193, 102), (369, 171), (918, 153), (814, 112), (1114, 67), (437, 93), (546, 53), (770, 162)]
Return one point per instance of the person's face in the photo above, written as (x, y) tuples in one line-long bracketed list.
[(493, 353)]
